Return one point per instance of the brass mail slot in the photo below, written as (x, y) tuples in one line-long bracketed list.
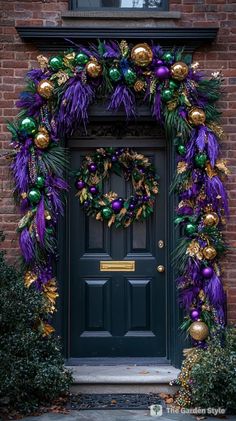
[(117, 265)]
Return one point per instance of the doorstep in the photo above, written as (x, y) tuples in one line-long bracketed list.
[(123, 379)]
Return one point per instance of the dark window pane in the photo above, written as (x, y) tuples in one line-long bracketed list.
[(118, 4)]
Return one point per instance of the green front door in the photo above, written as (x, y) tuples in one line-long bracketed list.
[(118, 314)]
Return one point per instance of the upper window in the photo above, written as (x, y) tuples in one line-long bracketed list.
[(118, 4)]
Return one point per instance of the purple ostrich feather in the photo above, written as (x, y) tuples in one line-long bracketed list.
[(26, 245), (123, 96), (216, 190), (74, 106), (32, 102)]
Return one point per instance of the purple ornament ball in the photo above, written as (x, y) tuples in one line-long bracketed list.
[(162, 72), (114, 158), (185, 210), (86, 204), (79, 184), (131, 206), (207, 272), (145, 198), (93, 190), (92, 167), (116, 205), (195, 314), (159, 62)]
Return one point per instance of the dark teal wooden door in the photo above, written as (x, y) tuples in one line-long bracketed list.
[(114, 314)]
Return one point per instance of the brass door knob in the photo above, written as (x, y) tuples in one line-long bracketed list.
[(160, 268)]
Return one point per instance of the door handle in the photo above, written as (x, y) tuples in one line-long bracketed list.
[(160, 268)]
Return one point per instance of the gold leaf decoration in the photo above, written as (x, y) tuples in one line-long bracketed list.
[(42, 61), (181, 167), (29, 278)]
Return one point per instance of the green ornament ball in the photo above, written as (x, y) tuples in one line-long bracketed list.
[(56, 63), (34, 196), (167, 94), (181, 150), (114, 74), (50, 230), (200, 160), (81, 59), (137, 176), (173, 84), (40, 181), (130, 76), (28, 125), (178, 220), (190, 228), (110, 149), (168, 57), (106, 213)]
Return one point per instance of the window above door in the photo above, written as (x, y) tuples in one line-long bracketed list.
[(118, 5)]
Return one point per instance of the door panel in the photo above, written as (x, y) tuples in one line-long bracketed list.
[(118, 313)]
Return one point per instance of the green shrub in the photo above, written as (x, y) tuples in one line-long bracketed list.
[(213, 377), (31, 366)]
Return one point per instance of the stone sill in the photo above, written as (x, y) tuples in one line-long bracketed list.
[(100, 14)]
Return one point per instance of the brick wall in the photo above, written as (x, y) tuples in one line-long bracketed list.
[(16, 58)]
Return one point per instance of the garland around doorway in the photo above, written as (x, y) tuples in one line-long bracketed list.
[(56, 103)]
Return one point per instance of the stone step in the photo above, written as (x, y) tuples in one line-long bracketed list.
[(123, 378)]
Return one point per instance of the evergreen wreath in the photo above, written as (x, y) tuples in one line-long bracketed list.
[(109, 207)]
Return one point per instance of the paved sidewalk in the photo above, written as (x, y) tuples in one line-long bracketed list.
[(119, 415)]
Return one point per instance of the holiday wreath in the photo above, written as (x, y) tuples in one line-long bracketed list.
[(182, 99), (109, 207)]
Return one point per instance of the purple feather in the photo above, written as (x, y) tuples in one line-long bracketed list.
[(112, 50), (37, 74), (32, 102), (215, 189), (123, 96), (215, 292), (191, 147), (20, 169), (74, 106), (40, 221), (212, 148), (201, 138), (156, 107), (187, 297), (26, 245)]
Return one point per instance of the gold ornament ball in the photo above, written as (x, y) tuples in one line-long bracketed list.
[(209, 252), (179, 70), (93, 68), (196, 116), (211, 219), (42, 140), (45, 88), (142, 55), (199, 330)]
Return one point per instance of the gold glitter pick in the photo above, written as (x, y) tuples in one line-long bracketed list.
[(221, 165), (124, 48), (29, 278), (43, 61), (217, 129), (181, 167)]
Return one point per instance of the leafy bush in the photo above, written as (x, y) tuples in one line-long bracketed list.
[(31, 365), (213, 377)]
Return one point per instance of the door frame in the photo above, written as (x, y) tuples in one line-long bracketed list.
[(175, 341)]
